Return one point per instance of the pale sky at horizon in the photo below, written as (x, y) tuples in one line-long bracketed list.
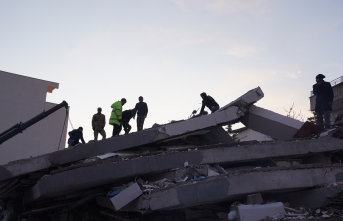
[(171, 51)]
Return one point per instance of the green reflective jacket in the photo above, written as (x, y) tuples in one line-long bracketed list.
[(116, 113)]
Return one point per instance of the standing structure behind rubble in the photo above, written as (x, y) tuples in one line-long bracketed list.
[(22, 98)]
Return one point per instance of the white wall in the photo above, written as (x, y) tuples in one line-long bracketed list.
[(22, 98), (249, 134)]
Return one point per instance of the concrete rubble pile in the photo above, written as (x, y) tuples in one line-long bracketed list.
[(186, 170)]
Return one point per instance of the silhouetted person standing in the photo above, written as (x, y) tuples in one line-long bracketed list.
[(324, 99), (142, 112), (98, 124)]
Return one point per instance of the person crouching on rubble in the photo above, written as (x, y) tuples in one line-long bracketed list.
[(209, 102), (324, 99), (75, 136), (127, 115)]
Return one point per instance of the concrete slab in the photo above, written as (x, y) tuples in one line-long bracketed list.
[(260, 212), (21, 167), (246, 99), (95, 175), (270, 123), (126, 196), (123, 198), (225, 188)]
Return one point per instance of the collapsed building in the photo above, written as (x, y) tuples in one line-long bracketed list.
[(185, 170)]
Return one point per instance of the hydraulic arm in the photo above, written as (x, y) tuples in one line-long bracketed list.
[(18, 128)]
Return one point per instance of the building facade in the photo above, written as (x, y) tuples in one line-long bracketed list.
[(22, 98)]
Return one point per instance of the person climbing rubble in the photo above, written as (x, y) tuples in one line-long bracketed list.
[(98, 124), (324, 99), (75, 136), (209, 102), (116, 116), (142, 112), (127, 115)]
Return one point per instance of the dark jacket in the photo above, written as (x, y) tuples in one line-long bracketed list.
[(75, 136), (208, 101), (142, 109), (127, 115), (324, 95)]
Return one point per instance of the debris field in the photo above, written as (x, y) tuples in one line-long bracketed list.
[(186, 170)]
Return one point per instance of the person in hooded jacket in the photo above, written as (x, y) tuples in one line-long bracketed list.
[(324, 99), (209, 102), (75, 136), (116, 116)]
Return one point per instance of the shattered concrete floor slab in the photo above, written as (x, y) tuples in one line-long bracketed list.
[(224, 187), (94, 174)]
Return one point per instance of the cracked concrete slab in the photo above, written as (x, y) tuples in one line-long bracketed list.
[(95, 175), (272, 124), (225, 188), (246, 99), (21, 167)]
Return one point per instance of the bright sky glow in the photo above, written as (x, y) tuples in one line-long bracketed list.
[(171, 51)]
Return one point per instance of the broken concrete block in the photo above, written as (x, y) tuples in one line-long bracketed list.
[(211, 172), (246, 99), (126, 196), (274, 125), (21, 167), (254, 199), (122, 198), (259, 212)]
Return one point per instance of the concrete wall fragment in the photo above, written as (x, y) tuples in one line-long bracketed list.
[(272, 124)]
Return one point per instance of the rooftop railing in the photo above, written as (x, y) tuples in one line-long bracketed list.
[(333, 83)]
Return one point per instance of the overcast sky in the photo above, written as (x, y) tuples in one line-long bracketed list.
[(171, 51)]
